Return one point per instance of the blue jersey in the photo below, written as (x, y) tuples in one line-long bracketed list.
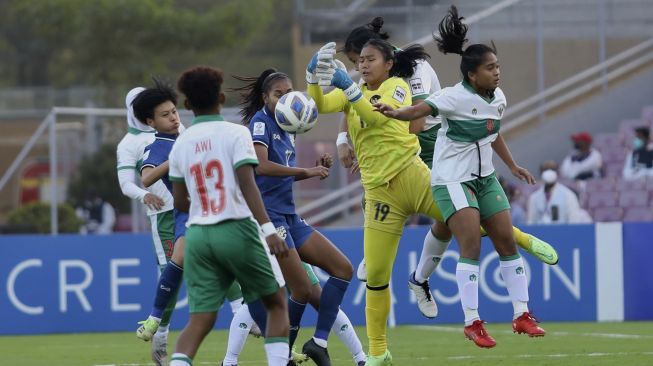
[(276, 191), (157, 153)]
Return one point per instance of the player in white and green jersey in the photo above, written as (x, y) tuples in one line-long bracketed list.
[(463, 180), (422, 83), (157, 199), (212, 170)]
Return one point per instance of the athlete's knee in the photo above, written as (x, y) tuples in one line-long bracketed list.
[(344, 271)]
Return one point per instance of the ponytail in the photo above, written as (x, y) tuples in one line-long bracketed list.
[(404, 60), (360, 35), (452, 33), (452, 39), (252, 93)]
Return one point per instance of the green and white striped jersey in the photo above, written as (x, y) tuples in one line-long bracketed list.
[(470, 123), (423, 83)]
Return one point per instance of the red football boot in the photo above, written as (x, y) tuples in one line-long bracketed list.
[(477, 333), (527, 323)]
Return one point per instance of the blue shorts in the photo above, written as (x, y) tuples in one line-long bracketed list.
[(291, 228), (180, 224)]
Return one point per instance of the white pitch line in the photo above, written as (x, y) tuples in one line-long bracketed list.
[(437, 328), (452, 358), (554, 355)]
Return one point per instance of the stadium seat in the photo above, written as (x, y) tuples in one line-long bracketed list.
[(605, 214), (602, 199), (603, 184), (633, 198), (638, 214), (603, 140), (614, 170), (614, 154), (123, 223), (631, 185)]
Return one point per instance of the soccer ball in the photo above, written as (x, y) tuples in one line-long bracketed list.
[(296, 112)]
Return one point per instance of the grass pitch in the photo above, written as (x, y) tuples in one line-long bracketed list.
[(565, 344)]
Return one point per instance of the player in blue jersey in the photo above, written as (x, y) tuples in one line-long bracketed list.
[(275, 175), (156, 107)]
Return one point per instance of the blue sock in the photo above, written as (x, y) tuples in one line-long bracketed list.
[(332, 294), (168, 285), (259, 314), (295, 312)]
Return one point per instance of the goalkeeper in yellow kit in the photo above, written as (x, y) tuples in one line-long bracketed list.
[(395, 180)]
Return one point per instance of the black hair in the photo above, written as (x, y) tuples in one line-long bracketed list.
[(202, 86), (404, 60), (252, 93), (452, 39), (644, 131), (360, 35), (147, 100)]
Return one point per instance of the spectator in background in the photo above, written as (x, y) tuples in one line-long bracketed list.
[(584, 162), (639, 162), (517, 212), (98, 215), (554, 203)]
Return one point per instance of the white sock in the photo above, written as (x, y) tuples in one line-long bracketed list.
[(163, 329), (514, 275), (345, 331), (241, 323), (320, 342), (180, 359), (235, 305), (432, 252), (467, 277), (277, 353)]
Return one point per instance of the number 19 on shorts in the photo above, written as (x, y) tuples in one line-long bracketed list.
[(382, 211)]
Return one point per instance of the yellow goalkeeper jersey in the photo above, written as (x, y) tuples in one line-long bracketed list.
[(383, 145)]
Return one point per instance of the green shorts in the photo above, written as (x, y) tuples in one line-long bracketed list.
[(163, 236), (216, 255), (484, 194), (427, 144)]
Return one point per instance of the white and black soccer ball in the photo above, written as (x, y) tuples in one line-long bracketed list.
[(296, 112)]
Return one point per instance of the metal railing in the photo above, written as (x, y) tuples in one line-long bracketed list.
[(589, 80)]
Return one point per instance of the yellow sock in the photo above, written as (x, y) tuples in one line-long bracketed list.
[(522, 239), (377, 308)]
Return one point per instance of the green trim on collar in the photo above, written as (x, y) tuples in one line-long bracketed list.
[(176, 179), (208, 118), (136, 131), (469, 87)]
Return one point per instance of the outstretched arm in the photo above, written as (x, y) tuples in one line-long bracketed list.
[(272, 169), (409, 113)]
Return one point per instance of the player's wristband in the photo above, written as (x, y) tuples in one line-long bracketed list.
[(268, 229), (353, 93), (311, 78), (342, 139)]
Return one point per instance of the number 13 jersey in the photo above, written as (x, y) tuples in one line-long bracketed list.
[(206, 157)]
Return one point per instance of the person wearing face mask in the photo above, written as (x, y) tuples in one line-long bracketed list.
[(584, 162), (639, 162), (553, 203)]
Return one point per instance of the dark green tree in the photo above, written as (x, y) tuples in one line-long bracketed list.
[(97, 172)]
